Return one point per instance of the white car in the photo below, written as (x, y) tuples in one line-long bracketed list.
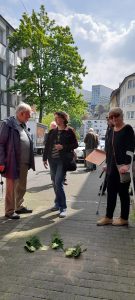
[(80, 152), (101, 144)]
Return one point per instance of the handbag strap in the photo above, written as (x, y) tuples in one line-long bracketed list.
[(113, 148)]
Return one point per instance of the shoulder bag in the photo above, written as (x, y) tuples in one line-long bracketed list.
[(124, 177)]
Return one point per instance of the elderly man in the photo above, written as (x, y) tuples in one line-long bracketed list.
[(16, 157)]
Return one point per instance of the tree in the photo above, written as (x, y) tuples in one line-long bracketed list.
[(53, 69), (99, 109)]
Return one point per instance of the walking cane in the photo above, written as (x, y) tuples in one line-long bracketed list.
[(131, 154), (1, 182), (101, 191)]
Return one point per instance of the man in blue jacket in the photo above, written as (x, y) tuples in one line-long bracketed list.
[(16, 157)]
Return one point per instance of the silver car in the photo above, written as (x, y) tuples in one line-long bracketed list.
[(80, 152)]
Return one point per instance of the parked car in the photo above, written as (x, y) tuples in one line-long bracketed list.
[(101, 144), (80, 152)]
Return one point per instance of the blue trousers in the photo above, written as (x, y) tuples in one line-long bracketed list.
[(57, 176)]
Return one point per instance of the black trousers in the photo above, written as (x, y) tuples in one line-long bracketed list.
[(114, 188)]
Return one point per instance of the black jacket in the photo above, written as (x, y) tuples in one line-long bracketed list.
[(67, 140)]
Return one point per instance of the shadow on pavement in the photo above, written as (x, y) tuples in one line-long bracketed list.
[(37, 189)]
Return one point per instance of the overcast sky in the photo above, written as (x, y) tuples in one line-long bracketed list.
[(103, 30)]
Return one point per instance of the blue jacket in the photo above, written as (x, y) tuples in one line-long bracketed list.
[(10, 148)]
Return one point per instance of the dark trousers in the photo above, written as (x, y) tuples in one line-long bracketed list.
[(114, 188)]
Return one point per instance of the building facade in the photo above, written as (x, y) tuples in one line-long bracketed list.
[(127, 99), (99, 127), (100, 95), (8, 63), (124, 97)]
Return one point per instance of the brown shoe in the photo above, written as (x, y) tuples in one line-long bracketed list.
[(120, 222), (104, 221)]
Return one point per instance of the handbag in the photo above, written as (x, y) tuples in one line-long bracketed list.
[(124, 177), (69, 162)]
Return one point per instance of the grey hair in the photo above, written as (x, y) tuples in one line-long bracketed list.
[(91, 130), (23, 107), (116, 110)]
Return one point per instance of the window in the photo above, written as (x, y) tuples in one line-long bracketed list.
[(11, 72), (134, 83), (1, 67), (130, 84), (1, 36), (131, 99), (130, 115), (3, 99)]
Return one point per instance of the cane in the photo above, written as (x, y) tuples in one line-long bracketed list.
[(131, 154), (101, 191), (1, 183)]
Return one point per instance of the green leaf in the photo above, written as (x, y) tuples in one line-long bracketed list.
[(29, 248), (34, 241), (74, 251), (56, 241)]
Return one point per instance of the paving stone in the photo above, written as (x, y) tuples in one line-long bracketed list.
[(105, 271)]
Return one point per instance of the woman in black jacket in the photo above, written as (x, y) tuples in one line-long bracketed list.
[(120, 140), (60, 143)]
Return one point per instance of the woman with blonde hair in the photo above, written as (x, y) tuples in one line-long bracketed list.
[(121, 140)]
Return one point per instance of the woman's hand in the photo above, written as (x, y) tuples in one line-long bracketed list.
[(58, 147), (45, 164), (123, 169), (104, 168)]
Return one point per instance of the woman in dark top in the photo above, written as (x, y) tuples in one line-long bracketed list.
[(121, 140), (60, 142)]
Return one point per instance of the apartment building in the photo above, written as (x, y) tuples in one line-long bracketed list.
[(124, 97), (100, 95), (7, 71), (127, 99), (8, 62)]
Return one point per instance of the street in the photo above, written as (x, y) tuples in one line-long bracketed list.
[(105, 271)]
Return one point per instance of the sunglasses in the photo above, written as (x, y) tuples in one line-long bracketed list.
[(114, 116)]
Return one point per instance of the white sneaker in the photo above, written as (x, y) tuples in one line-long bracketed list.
[(63, 213)]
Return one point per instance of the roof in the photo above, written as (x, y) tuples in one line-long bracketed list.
[(133, 74), (7, 22)]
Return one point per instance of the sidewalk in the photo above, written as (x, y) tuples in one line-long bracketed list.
[(105, 271)]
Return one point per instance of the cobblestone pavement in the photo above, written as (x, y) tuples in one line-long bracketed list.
[(105, 271)]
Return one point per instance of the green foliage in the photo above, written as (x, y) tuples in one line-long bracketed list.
[(74, 251), (32, 244), (47, 119), (56, 241), (53, 68)]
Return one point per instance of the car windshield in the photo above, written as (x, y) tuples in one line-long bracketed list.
[(81, 144)]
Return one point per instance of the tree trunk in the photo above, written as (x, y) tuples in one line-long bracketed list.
[(40, 114)]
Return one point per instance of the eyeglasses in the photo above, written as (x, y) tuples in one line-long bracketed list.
[(114, 116)]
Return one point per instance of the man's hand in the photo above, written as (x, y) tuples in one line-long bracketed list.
[(2, 168), (45, 164)]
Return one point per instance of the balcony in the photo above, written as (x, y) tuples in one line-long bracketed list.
[(11, 58), (2, 52), (3, 82), (11, 82)]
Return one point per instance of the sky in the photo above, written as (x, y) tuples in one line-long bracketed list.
[(103, 30)]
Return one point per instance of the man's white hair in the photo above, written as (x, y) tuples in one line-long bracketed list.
[(91, 130), (23, 107)]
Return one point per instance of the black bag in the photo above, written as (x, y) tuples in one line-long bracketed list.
[(69, 162)]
